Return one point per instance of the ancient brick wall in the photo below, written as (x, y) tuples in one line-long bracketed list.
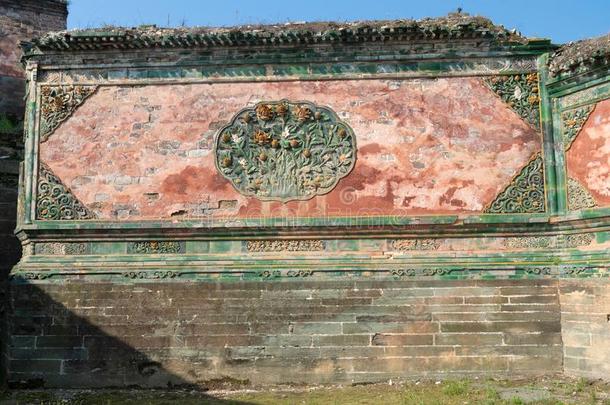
[(585, 324), (583, 111), (149, 334), (20, 20), (304, 203)]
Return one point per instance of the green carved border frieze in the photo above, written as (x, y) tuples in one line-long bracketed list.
[(62, 248), (285, 275), (155, 247), (549, 242), (402, 245), (282, 245), (285, 150)]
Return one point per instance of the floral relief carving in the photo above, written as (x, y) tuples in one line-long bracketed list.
[(58, 103), (524, 194), (546, 242), (284, 150), (577, 240), (55, 201), (572, 122), (285, 245), (155, 247), (520, 92), (58, 248), (415, 244), (578, 196), (529, 242)]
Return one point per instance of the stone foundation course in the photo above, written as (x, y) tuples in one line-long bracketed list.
[(101, 334)]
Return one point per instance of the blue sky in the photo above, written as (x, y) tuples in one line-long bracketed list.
[(560, 20)]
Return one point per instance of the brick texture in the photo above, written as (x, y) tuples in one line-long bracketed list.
[(585, 321), (19, 21), (317, 332)]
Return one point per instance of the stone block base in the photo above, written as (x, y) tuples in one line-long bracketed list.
[(98, 334)]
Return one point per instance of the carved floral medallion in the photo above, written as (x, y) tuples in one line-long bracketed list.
[(284, 150)]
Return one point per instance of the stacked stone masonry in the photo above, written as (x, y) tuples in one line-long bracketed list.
[(20, 20), (325, 332)]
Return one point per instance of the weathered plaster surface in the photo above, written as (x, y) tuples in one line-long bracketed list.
[(424, 147), (588, 159)]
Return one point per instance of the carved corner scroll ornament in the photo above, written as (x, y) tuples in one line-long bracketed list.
[(55, 201), (520, 92), (524, 194), (578, 196), (58, 103), (573, 121), (284, 150)]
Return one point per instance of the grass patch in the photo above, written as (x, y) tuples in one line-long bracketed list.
[(455, 388), (450, 392)]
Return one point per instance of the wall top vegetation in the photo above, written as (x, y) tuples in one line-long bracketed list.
[(585, 54), (454, 27)]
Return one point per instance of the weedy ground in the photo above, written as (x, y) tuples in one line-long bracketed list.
[(537, 391)]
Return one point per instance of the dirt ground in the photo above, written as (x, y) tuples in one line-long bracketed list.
[(539, 390)]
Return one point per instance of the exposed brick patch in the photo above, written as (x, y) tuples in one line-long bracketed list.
[(585, 306)]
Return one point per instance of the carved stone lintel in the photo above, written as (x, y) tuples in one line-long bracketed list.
[(58, 103), (55, 201), (524, 194), (578, 196), (297, 245), (520, 92)]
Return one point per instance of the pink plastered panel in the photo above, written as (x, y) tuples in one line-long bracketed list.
[(589, 156), (425, 146)]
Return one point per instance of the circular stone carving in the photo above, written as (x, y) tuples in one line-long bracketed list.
[(282, 150)]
